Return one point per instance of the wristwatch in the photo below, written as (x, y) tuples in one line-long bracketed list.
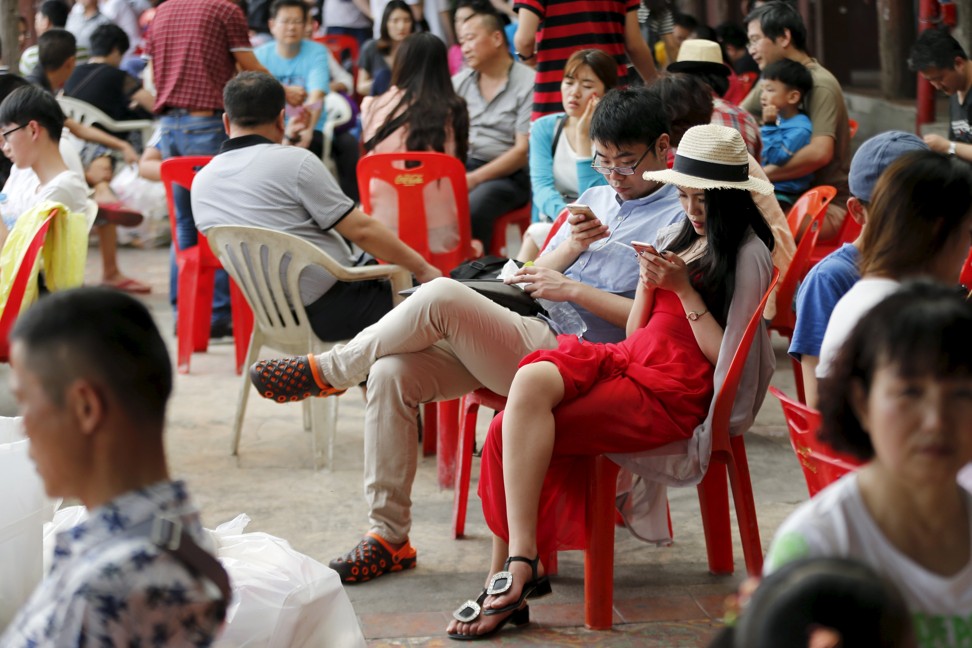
[(524, 57), (951, 148), (695, 315)]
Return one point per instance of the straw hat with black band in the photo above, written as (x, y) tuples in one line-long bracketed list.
[(711, 157), (700, 56)]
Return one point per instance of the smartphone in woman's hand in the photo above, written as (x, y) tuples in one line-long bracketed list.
[(642, 248)]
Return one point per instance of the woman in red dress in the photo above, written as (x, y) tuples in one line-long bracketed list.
[(582, 400)]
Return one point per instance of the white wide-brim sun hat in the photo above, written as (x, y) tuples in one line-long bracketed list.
[(711, 157)]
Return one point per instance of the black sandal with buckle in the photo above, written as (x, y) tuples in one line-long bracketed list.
[(470, 611), (501, 582)]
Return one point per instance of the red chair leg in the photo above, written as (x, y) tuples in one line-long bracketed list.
[(448, 432), (242, 325), (464, 451), (188, 289), (714, 504), (599, 556), (201, 317), (430, 428), (798, 380), (668, 512), (742, 495)]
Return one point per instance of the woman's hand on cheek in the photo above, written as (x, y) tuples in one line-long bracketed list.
[(582, 135)]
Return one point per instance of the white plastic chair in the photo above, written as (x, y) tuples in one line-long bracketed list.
[(266, 265), (84, 113), (337, 112)]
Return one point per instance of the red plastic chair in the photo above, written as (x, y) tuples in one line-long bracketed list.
[(341, 44), (197, 268), (821, 464), (966, 277), (849, 229), (409, 183), (16, 297), (785, 319), (728, 453), (558, 222), (739, 87), (813, 202), (519, 217)]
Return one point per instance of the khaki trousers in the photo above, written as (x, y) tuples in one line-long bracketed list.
[(442, 342)]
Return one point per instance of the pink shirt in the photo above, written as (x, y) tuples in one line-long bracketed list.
[(376, 111)]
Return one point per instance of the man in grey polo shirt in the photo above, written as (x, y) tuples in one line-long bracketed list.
[(499, 95), (254, 180)]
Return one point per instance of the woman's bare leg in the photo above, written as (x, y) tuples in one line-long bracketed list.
[(528, 436), (528, 439)]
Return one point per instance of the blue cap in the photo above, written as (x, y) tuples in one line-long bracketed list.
[(875, 155)]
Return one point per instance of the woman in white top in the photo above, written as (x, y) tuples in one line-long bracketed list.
[(899, 395), (918, 226), (560, 144)]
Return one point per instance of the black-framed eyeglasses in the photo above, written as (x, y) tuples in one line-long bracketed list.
[(4, 135), (620, 170)]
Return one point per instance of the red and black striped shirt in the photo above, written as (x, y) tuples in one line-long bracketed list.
[(568, 26)]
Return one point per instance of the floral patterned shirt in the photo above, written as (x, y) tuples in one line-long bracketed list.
[(108, 587)]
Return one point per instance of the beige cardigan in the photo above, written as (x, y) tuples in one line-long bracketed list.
[(644, 476)]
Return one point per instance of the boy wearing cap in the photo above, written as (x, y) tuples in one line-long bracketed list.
[(830, 279), (786, 129)]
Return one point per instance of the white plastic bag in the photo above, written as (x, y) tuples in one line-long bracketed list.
[(281, 598), (64, 519), (148, 198), (22, 511), (140, 194)]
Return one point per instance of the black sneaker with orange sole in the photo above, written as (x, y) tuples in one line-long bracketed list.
[(372, 557), (290, 379)]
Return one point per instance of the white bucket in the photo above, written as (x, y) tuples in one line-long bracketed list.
[(21, 521)]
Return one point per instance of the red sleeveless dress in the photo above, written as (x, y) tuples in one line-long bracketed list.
[(644, 392)]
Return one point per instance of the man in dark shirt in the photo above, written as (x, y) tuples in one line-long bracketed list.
[(941, 60), (101, 83)]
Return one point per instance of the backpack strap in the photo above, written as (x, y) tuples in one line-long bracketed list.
[(557, 131), (169, 534)]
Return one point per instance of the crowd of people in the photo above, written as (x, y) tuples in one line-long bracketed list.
[(658, 170)]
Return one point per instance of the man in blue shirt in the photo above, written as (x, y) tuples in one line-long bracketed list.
[(300, 65), (446, 340), (830, 279)]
